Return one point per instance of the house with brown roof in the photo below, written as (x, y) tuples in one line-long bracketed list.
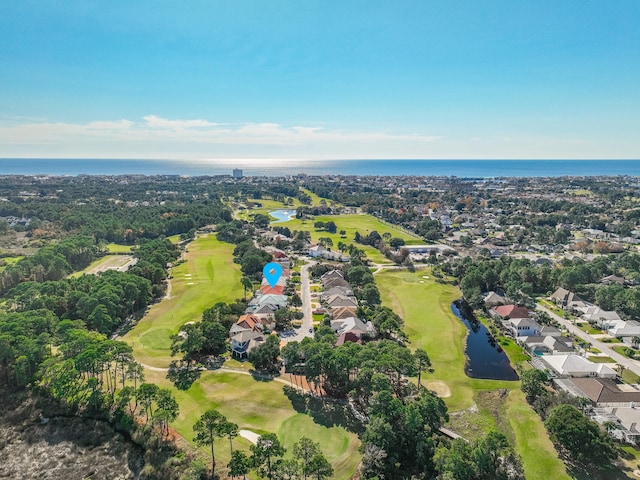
[(605, 392), (566, 299), (348, 337), (250, 322), (341, 301), (340, 313)]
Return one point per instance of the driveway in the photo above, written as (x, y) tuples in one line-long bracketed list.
[(305, 296), (605, 348)]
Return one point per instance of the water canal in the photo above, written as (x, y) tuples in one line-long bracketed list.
[(485, 358)]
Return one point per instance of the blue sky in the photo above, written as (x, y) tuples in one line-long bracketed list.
[(320, 79)]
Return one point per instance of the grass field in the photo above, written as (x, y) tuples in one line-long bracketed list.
[(350, 224), (261, 407), (117, 248), (424, 305), (207, 276), (430, 324), (539, 456)]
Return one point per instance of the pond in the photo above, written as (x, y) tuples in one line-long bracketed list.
[(485, 357), (283, 215)]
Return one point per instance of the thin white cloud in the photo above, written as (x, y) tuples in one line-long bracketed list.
[(159, 122), (156, 132)]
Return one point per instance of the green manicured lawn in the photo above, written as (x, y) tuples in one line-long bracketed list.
[(207, 276), (261, 407), (629, 377), (539, 456), (585, 327), (430, 324), (117, 248), (622, 350), (600, 359), (364, 224), (175, 239)]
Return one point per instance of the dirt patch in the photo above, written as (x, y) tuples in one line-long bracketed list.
[(36, 447), (441, 388), (112, 262)]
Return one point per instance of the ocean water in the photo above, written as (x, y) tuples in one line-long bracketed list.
[(279, 168)]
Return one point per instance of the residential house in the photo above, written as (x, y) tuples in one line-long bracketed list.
[(355, 326), (626, 420), (340, 313), (334, 278), (566, 299), (244, 341), (523, 327), (625, 329), (611, 279), (276, 301), (249, 322), (573, 365), (510, 311), (550, 331), (338, 290), (493, 298), (348, 337), (602, 318), (341, 301), (605, 392)]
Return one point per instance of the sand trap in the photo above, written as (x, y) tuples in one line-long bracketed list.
[(191, 283), (441, 388), (249, 435), (421, 281), (188, 275), (425, 276)]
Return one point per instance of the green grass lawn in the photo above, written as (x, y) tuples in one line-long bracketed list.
[(585, 327), (539, 456), (600, 359), (258, 406), (364, 224), (261, 407), (430, 324), (622, 350), (206, 277), (117, 248), (629, 377)]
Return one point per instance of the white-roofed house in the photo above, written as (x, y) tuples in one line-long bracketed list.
[(572, 365)]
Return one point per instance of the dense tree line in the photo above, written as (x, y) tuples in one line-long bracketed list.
[(52, 262), (522, 279), (577, 436)]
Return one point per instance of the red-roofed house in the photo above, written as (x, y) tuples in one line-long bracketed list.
[(267, 289), (348, 337), (511, 311)]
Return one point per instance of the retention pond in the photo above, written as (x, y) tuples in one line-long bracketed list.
[(485, 357)]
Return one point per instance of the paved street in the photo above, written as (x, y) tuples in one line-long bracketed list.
[(605, 348), (305, 296)]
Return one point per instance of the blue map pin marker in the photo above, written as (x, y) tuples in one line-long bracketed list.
[(272, 272)]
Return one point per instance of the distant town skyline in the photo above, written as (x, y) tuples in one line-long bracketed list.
[(320, 80)]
